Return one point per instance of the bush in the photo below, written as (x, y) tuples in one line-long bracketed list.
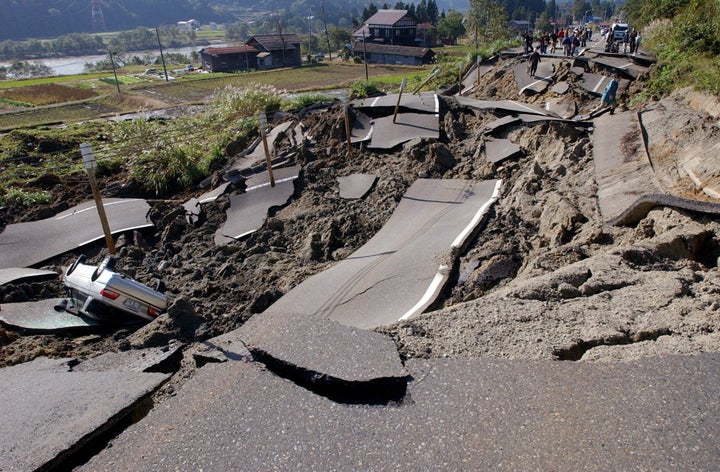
[(19, 197), (687, 48), (233, 102), (363, 89), (298, 102), (166, 169)]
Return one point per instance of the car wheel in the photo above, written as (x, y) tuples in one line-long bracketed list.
[(159, 286), (107, 263), (74, 265)]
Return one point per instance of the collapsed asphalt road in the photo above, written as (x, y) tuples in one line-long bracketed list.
[(546, 279)]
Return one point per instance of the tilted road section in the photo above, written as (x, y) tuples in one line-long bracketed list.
[(402, 269), (627, 186), (26, 244)]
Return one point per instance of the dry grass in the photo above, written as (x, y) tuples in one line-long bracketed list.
[(46, 94)]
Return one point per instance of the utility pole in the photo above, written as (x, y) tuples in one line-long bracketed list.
[(430, 77), (365, 57), (112, 61), (327, 35), (162, 58), (348, 132)]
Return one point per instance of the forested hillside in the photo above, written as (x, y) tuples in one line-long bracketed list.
[(22, 19)]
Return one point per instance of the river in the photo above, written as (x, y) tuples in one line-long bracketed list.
[(76, 64)]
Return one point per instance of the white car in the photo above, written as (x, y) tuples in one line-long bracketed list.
[(101, 293)]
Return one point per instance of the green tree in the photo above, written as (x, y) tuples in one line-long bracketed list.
[(552, 12), (486, 22), (369, 11), (432, 12), (421, 12), (543, 23), (452, 25), (580, 7), (339, 37), (237, 30)]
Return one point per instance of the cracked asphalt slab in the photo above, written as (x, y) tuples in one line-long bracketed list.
[(248, 210), (26, 244), (43, 317), (13, 274), (50, 411), (356, 186), (473, 414), (346, 363), (400, 271), (628, 187)]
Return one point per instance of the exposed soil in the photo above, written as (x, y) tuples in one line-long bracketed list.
[(545, 278)]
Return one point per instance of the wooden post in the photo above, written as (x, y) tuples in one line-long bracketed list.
[(89, 161), (477, 70), (460, 71), (431, 76), (397, 105), (347, 124), (262, 119)]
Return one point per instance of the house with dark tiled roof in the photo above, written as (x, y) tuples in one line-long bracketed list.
[(229, 59), (276, 50), (389, 54), (261, 52), (390, 37), (394, 27)]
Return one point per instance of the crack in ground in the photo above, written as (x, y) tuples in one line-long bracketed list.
[(381, 391), (576, 351)]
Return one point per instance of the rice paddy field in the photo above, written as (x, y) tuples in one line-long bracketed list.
[(36, 102)]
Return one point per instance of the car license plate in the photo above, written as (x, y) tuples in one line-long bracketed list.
[(132, 304)]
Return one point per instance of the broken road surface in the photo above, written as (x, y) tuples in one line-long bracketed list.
[(25, 244), (401, 270)]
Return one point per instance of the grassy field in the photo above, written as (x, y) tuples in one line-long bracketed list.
[(73, 79), (139, 94)]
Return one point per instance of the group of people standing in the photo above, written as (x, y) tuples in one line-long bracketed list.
[(570, 41), (629, 40), (632, 39)]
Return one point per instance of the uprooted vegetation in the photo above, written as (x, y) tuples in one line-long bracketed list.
[(544, 278)]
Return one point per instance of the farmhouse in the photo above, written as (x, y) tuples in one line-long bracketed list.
[(229, 59), (394, 27), (261, 52)]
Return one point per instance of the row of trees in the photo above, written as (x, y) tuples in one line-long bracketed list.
[(23, 70), (147, 59), (71, 44)]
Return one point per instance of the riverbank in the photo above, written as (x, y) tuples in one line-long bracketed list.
[(74, 65)]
